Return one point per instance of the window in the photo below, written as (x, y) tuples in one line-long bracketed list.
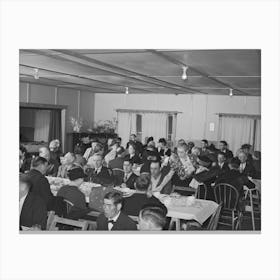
[(169, 128), (139, 127)]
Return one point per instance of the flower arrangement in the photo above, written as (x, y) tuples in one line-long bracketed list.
[(76, 124), (108, 126)]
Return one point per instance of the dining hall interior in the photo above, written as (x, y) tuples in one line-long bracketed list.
[(140, 140)]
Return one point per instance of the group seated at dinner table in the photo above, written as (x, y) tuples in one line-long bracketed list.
[(134, 188)]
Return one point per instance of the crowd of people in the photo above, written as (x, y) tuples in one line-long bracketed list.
[(148, 168)]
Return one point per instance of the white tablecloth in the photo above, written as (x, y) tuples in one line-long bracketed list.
[(177, 207)]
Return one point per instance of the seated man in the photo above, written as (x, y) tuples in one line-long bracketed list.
[(163, 150), (152, 218), (113, 218), (138, 145), (32, 209), (235, 178), (129, 177), (53, 161), (157, 177), (222, 165), (246, 148), (95, 148), (133, 204), (223, 146), (246, 168), (72, 193), (67, 162), (118, 161), (204, 148), (97, 173), (39, 184)]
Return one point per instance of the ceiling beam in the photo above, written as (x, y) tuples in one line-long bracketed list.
[(117, 68), (204, 74), (81, 77), (85, 63)]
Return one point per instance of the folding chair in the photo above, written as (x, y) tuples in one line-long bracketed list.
[(229, 197)]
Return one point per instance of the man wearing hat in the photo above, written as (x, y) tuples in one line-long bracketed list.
[(71, 192)]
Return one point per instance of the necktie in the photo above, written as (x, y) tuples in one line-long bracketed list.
[(111, 221)]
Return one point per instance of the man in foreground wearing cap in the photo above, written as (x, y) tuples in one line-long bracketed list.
[(72, 193)]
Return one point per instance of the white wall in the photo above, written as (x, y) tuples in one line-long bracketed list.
[(198, 111)]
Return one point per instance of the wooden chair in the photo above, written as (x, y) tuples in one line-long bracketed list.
[(184, 189), (229, 197), (201, 192), (51, 215), (252, 199), (83, 225), (69, 205), (118, 175)]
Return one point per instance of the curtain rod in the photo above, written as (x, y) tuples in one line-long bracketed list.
[(146, 111), (239, 115)]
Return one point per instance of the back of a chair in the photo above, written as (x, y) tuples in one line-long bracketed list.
[(82, 225), (118, 176), (69, 205), (201, 192), (226, 194), (213, 223)]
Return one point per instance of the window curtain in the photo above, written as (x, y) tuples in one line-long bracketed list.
[(125, 126), (257, 144), (42, 125), (154, 124), (55, 125), (236, 131)]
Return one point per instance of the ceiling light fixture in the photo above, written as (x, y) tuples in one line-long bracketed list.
[(36, 74), (230, 92), (184, 75), (126, 91)]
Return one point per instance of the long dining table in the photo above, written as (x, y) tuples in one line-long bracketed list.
[(179, 207)]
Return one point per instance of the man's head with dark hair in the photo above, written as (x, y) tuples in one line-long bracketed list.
[(119, 139), (155, 168), (152, 217), (149, 139), (246, 148), (24, 185), (233, 163), (223, 145), (127, 166), (132, 137), (162, 143), (40, 164), (142, 183), (112, 204), (221, 157), (131, 148), (204, 143)]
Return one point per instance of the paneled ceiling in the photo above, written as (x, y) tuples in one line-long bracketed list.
[(145, 71)]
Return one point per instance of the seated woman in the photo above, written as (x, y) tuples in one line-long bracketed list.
[(133, 204), (132, 155), (67, 162)]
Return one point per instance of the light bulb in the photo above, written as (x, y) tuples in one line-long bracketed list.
[(36, 74), (126, 90), (230, 92), (184, 76)]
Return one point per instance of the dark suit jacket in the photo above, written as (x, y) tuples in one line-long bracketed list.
[(33, 211), (249, 170), (40, 186), (234, 178), (131, 180), (228, 154), (163, 152), (135, 159), (104, 177), (116, 163), (221, 171), (133, 204), (122, 223)]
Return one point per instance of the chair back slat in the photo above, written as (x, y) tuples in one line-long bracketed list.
[(58, 220), (201, 192), (227, 194)]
